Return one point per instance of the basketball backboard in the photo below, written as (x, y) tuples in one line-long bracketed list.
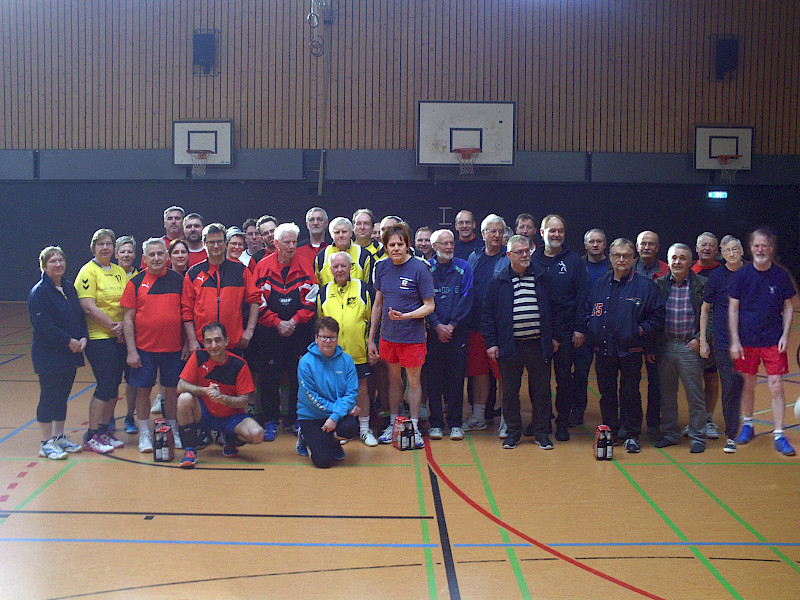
[(445, 126), (211, 136), (710, 143)]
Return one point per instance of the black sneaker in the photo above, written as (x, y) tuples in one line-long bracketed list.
[(632, 446), (575, 419), (562, 434), (664, 442), (697, 447), (511, 441), (544, 442)]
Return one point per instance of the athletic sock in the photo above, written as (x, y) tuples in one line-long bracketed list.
[(102, 428), (188, 435), (748, 420), (778, 433), (363, 424), (416, 424), (144, 425), (479, 411), (392, 418)]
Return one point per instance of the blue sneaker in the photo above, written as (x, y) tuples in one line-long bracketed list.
[(783, 446), (338, 452), (189, 459), (130, 426), (746, 434), (270, 431), (301, 447)]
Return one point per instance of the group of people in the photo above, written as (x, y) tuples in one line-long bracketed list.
[(220, 317)]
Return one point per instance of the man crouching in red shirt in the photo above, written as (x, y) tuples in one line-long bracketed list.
[(214, 389)]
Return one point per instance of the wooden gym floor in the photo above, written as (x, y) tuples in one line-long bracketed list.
[(460, 520)]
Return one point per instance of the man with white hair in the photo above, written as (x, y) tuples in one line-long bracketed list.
[(679, 359), (447, 341), (341, 230), (484, 262), (288, 289), (317, 224)]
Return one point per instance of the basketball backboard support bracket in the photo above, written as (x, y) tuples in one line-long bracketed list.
[(444, 127), (711, 143), (213, 137)]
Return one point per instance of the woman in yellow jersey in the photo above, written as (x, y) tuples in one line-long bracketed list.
[(125, 253), (100, 284), (347, 301), (341, 230)]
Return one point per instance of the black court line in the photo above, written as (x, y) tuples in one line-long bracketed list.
[(177, 466), (444, 538), (4, 514), (236, 578)]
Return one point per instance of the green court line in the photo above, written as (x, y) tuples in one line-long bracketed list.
[(25, 502), (426, 538), (512, 555), (735, 516), (678, 532)]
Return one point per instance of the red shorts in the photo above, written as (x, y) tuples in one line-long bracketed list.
[(775, 363), (478, 362), (409, 356)]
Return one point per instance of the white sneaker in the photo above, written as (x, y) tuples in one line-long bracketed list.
[(177, 437), (686, 431), (96, 444), (110, 440), (50, 449), (386, 436), (156, 408), (419, 443), (456, 433), (502, 430), (473, 424), (67, 445), (369, 438), (435, 433), (711, 431), (145, 441)]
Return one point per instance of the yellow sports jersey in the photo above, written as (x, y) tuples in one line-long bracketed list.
[(106, 288), (377, 251), (360, 266), (351, 307)]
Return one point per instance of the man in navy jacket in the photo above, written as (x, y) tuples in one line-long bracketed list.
[(626, 315), (570, 287), (516, 324)]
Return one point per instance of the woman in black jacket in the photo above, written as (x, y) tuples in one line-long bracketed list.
[(59, 338)]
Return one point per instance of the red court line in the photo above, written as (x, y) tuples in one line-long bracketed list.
[(542, 546)]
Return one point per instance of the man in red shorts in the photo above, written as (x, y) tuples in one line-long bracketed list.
[(215, 387), (760, 318)]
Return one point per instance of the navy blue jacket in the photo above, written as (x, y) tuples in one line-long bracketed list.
[(569, 287), (452, 292), (497, 317), (616, 311), (56, 320)]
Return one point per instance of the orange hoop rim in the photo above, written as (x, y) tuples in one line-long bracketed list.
[(466, 153), (201, 154), (724, 159)]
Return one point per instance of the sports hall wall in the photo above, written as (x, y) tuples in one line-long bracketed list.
[(607, 93)]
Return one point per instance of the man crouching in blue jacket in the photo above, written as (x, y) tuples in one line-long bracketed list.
[(326, 400), (626, 315)]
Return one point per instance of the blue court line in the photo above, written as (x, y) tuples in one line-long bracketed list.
[(12, 359), (215, 543), (634, 544), (32, 421)]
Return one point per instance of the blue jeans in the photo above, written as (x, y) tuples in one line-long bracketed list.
[(679, 362)]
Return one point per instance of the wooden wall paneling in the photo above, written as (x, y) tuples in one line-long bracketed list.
[(268, 80), (40, 92), (235, 102), (27, 79), (778, 79), (670, 96), (741, 98), (567, 35), (359, 106), (5, 76), (371, 73), (345, 125), (383, 17), (793, 89), (404, 70), (634, 120), (254, 36), (149, 106), (32, 131)]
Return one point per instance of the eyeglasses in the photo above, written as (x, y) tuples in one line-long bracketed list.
[(328, 338), (616, 256), (521, 252), (215, 242)]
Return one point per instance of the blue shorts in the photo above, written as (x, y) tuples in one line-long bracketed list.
[(224, 424), (169, 364)]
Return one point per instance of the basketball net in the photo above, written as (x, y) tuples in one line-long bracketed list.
[(728, 165), (466, 159), (199, 161)]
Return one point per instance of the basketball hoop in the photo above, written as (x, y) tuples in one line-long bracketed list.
[(466, 159), (728, 165), (199, 161)]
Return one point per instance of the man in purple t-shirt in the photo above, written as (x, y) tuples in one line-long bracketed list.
[(760, 316)]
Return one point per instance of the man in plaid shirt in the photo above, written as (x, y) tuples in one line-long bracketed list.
[(682, 292)]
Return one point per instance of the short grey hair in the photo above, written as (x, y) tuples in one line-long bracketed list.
[(621, 242), (514, 239), (595, 230), (340, 255), (679, 246), (125, 239), (171, 208), (729, 238), (706, 234), (150, 242), (438, 233), (340, 221), (490, 219), (314, 209), (286, 228)]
